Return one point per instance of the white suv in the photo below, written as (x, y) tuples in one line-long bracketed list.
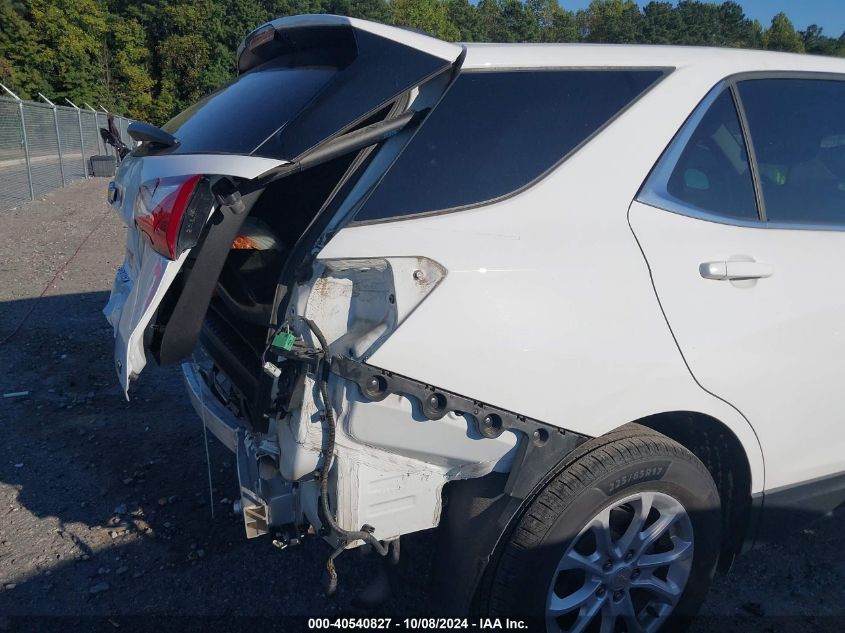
[(577, 305)]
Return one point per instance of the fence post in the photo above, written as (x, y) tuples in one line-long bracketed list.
[(82, 142), (58, 137), (26, 152), (81, 137), (59, 145), (108, 149), (100, 146)]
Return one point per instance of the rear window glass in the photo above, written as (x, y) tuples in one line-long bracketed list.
[(241, 115), (493, 133), (292, 103)]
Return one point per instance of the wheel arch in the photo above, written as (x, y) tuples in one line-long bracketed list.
[(486, 514), (725, 457)]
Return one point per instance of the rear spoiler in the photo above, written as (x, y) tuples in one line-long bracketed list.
[(302, 33)]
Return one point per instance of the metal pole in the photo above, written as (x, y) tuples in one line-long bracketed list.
[(26, 152), (58, 137), (100, 145), (82, 140), (81, 137), (100, 142), (59, 144), (14, 96), (109, 150)]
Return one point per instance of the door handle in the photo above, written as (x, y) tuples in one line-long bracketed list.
[(735, 271)]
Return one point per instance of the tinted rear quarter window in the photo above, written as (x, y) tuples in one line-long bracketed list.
[(797, 127), (493, 133), (706, 167)]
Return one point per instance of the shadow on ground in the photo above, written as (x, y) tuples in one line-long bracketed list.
[(105, 503)]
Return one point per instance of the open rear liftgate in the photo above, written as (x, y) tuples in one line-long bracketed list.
[(339, 465)]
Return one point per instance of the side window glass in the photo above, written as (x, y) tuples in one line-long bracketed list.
[(494, 133), (706, 167), (797, 129)]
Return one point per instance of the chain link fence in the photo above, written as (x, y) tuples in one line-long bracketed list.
[(45, 147)]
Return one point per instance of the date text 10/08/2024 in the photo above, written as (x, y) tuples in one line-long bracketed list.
[(417, 624)]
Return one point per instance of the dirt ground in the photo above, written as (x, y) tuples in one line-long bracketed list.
[(104, 507)]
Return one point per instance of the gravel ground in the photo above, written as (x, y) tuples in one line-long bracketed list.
[(104, 513)]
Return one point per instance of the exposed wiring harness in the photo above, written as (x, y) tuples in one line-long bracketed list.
[(345, 536)]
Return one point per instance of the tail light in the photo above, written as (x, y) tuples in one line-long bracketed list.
[(172, 211)]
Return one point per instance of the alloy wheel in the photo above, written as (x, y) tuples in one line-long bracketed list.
[(626, 569)]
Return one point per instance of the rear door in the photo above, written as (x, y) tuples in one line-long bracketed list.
[(756, 296), (304, 81)]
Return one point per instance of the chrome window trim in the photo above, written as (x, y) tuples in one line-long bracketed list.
[(807, 226), (655, 192), (708, 216), (651, 195)]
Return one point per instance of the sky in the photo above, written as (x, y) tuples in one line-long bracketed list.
[(829, 14)]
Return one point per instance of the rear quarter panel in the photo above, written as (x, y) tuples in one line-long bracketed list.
[(548, 308)]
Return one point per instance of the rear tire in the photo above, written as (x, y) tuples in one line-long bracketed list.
[(625, 538)]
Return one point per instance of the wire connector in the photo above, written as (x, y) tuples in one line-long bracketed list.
[(271, 370), (284, 340)]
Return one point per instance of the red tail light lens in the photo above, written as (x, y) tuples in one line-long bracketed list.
[(160, 210)]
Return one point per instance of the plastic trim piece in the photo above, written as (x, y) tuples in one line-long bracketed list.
[(215, 416), (789, 508), (541, 448)]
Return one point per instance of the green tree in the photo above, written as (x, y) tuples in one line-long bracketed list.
[(429, 16), (492, 23), (700, 24), (817, 43), (466, 19), (613, 21), (543, 15), (564, 27), (71, 37), (782, 36), (235, 20), (662, 23), (519, 22), (376, 10), (736, 29), (19, 51), (130, 84), (152, 58), (551, 23), (184, 41)]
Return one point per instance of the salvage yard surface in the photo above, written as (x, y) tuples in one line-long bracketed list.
[(105, 516)]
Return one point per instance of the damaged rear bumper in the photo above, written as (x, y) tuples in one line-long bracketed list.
[(265, 501)]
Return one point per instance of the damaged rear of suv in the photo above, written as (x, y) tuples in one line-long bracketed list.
[(383, 306)]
